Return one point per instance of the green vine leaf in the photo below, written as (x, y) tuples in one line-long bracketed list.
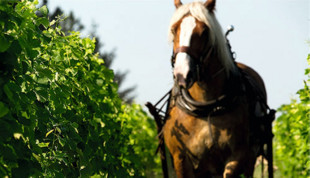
[(3, 109)]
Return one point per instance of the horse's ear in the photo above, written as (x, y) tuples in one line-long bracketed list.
[(177, 3), (210, 5)]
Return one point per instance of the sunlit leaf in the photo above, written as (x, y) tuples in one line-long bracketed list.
[(42, 144), (49, 132), (43, 10)]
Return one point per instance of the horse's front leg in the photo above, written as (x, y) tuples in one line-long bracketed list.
[(231, 169), (240, 166), (183, 167)]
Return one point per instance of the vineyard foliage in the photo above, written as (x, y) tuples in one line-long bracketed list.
[(60, 114), (292, 134)]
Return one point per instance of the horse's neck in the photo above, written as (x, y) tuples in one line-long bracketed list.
[(208, 92), (209, 87)]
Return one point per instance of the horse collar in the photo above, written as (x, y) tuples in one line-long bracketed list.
[(185, 102), (195, 108)]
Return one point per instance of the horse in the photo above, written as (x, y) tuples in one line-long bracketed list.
[(212, 128)]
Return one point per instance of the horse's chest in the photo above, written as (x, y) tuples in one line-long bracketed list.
[(199, 138), (206, 138)]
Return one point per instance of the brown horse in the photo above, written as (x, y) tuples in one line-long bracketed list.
[(212, 126)]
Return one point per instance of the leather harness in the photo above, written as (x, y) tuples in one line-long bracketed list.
[(184, 100), (242, 85)]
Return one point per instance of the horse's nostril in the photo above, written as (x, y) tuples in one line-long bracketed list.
[(181, 80)]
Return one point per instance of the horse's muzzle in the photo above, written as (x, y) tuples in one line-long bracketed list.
[(184, 70), (180, 80), (184, 82)]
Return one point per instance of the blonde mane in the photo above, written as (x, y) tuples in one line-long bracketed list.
[(217, 39)]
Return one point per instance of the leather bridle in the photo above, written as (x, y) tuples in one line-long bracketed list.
[(188, 50), (183, 49), (183, 98), (197, 60)]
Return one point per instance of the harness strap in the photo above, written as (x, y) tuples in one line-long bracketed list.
[(187, 50)]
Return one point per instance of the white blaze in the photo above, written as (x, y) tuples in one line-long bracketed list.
[(182, 61)]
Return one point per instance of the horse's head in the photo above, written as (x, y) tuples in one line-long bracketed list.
[(196, 37)]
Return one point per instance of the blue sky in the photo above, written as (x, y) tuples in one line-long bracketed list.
[(270, 36)]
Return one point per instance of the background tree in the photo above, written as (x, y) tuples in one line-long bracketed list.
[(71, 23)]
